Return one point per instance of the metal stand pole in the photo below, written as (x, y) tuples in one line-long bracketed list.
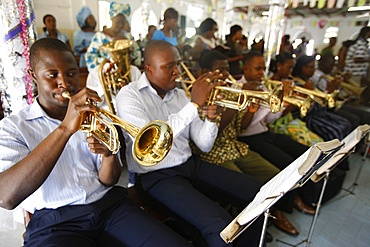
[(326, 178), (313, 222), (263, 233), (351, 189)]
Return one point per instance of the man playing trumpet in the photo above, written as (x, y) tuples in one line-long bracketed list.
[(63, 178), (182, 181), (323, 80)]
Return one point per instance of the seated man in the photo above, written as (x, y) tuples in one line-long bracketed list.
[(230, 153), (279, 149), (63, 178), (183, 182)]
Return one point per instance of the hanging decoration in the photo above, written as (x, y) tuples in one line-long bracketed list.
[(17, 33), (340, 4)]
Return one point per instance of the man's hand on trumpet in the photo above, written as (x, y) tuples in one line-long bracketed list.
[(201, 91), (79, 106)]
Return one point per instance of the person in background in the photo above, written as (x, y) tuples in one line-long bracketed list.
[(358, 57), (170, 26), (234, 54), (51, 31), (183, 182), (286, 45), (301, 48), (82, 38), (342, 53), (330, 48), (244, 44), (204, 40), (143, 43), (327, 124), (65, 179), (120, 29)]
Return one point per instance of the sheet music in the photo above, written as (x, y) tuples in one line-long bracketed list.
[(350, 141), (299, 171)]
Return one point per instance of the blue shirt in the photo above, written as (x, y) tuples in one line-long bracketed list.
[(138, 103), (81, 40), (60, 36), (74, 178), (159, 35)]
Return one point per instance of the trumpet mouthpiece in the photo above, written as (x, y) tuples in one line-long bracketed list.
[(66, 95)]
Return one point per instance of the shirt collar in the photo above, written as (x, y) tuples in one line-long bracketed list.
[(36, 111), (143, 82)]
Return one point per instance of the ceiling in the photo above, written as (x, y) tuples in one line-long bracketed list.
[(306, 11)]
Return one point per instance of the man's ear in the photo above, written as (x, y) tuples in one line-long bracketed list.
[(33, 76), (147, 68)]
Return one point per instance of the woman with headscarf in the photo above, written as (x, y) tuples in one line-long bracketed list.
[(168, 32), (120, 29), (51, 31), (82, 38)]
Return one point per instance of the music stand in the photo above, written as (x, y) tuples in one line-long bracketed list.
[(351, 189), (349, 142), (294, 175)]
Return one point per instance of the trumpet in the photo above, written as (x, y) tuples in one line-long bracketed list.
[(316, 95), (151, 144), (233, 98)]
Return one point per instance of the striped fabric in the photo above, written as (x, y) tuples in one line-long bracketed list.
[(358, 50), (73, 180)]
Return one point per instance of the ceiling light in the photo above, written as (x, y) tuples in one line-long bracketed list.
[(359, 8)]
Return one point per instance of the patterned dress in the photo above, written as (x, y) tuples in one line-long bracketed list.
[(94, 56)]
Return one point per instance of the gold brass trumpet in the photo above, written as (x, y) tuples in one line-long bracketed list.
[(304, 104), (151, 144), (233, 98), (113, 80)]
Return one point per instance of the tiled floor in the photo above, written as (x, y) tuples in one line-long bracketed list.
[(343, 222)]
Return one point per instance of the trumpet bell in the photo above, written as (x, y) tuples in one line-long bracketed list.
[(151, 143), (154, 143)]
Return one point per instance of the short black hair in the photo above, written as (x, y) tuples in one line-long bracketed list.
[(207, 60), (300, 63), (206, 25), (46, 16), (281, 58), (234, 29), (170, 13), (46, 44), (250, 55), (155, 45)]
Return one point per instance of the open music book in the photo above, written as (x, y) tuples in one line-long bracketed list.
[(296, 174), (350, 141)]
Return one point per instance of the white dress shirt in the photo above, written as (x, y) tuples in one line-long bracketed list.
[(74, 178), (138, 103)]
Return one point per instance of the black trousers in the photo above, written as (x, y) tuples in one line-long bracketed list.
[(111, 221), (190, 189)]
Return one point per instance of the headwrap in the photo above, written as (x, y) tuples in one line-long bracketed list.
[(82, 15), (119, 8)]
